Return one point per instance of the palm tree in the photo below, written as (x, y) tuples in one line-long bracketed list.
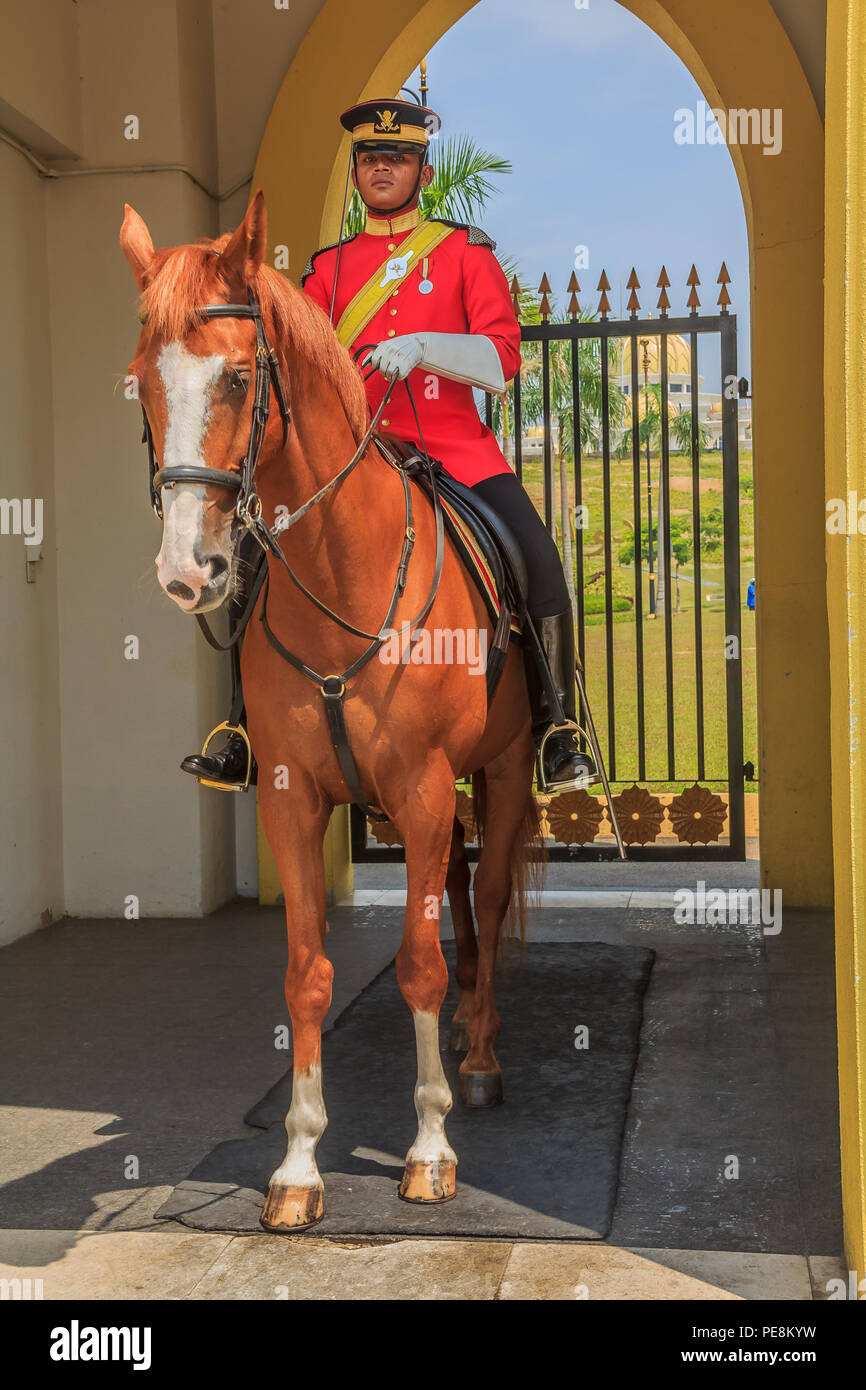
[(681, 431), (679, 424), (649, 422), (562, 406)]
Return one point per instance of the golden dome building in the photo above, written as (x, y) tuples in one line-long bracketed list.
[(709, 403)]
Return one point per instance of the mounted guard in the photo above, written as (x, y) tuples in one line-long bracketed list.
[(424, 300), (258, 424)]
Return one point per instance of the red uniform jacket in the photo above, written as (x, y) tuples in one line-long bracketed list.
[(470, 295)]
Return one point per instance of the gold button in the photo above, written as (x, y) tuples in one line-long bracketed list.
[(392, 332), (392, 246), (393, 312), (386, 423)]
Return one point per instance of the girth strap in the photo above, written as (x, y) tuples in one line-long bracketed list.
[(340, 738)]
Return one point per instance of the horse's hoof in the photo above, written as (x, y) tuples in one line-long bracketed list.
[(435, 1181), (459, 1040), (290, 1209), (480, 1088)]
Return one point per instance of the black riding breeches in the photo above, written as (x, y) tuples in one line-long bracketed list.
[(548, 591)]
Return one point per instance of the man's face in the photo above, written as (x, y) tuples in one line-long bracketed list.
[(385, 179)]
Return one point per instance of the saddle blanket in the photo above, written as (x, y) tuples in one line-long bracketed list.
[(475, 562)]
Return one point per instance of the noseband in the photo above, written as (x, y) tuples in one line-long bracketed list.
[(248, 505)]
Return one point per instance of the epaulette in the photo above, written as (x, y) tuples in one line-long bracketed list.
[(308, 268), (474, 235)]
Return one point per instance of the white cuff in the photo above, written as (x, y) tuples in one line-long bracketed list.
[(467, 357)]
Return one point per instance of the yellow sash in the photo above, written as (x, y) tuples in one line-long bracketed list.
[(393, 271)]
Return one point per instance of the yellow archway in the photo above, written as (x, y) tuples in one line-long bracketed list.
[(783, 197), (746, 61)]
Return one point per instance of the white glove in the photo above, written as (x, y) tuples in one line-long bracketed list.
[(466, 357), (397, 357)]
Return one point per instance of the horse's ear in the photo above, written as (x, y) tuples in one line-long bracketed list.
[(136, 244), (243, 254)]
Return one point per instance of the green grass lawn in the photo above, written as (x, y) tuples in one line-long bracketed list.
[(684, 696), (683, 645)]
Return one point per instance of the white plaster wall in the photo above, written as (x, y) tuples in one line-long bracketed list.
[(93, 807), (39, 74), (91, 778), (133, 823), (31, 872)]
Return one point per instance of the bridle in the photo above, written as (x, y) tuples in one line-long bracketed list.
[(248, 510), (247, 503)]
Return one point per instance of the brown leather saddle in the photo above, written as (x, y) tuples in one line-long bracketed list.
[(491, 535)]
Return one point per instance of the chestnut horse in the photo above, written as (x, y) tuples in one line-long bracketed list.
[(414, 726)]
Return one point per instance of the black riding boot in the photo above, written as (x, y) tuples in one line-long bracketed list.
[(564, 768), (228, 766)]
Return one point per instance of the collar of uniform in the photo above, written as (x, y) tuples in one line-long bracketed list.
[(390, 226)]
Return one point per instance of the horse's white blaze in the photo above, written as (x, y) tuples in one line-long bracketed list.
[(432, 1095), (182, 510), (305, 1125), (188, 383)]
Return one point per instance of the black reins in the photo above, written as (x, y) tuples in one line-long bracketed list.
[(248, 509)]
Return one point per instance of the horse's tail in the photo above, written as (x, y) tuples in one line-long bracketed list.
[(527, 862)]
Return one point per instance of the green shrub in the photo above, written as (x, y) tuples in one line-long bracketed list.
[(594, 603)]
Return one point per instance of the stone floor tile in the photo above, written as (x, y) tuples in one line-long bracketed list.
[(303, 1267), (824, 1268), (121, 1264), (573, 1271), (743, 1274)]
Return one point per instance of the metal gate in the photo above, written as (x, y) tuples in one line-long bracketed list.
[(674, 759)]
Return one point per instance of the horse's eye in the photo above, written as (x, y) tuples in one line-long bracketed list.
[(237, 382)]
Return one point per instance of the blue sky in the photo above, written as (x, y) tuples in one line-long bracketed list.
[(582, 103)]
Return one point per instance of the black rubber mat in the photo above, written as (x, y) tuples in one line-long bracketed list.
[(543, 1164)]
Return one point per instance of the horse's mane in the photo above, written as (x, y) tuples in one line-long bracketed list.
[(184, 277)]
